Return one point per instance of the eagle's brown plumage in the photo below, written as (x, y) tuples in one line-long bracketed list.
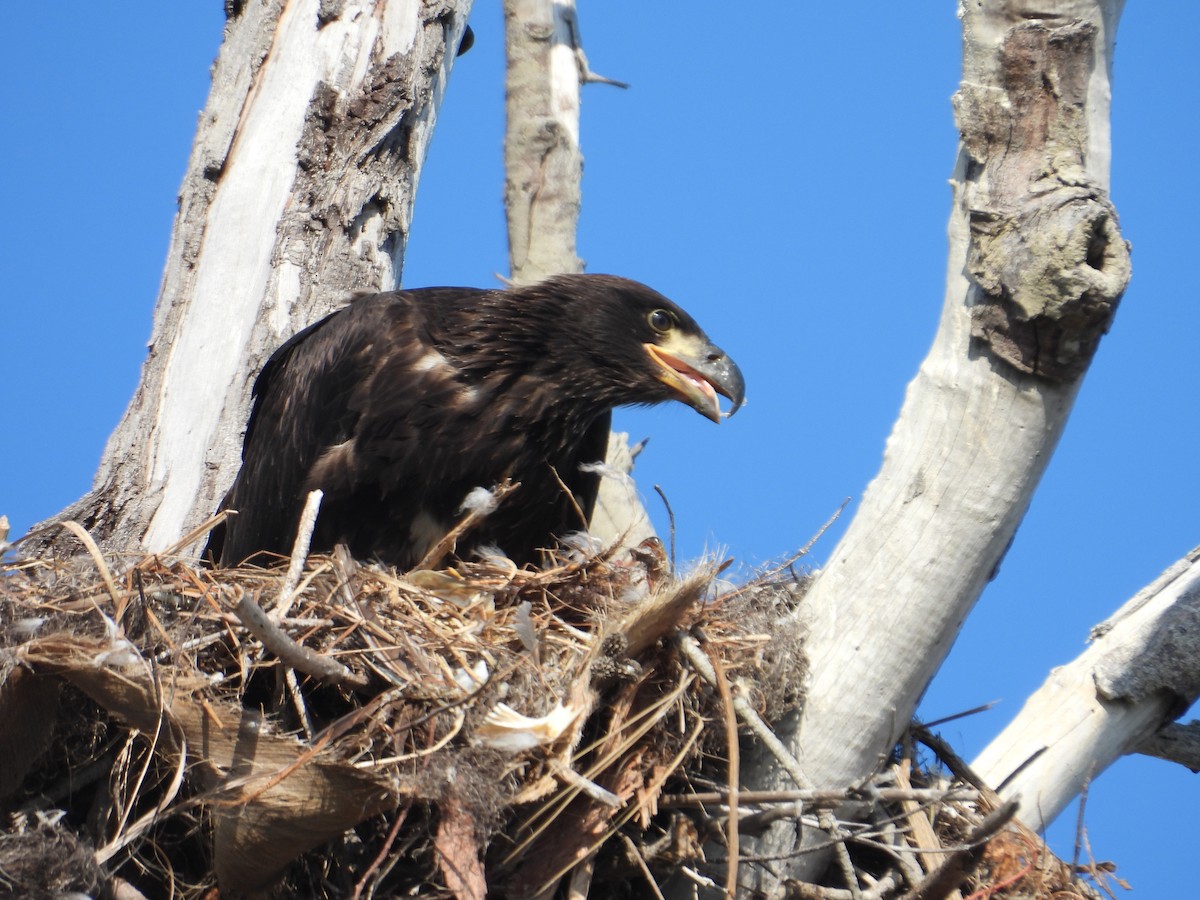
[(399, 404)]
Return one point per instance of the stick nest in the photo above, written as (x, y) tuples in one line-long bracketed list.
[(474, 731)]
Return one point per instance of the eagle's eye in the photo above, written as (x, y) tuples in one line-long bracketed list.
[(660, 320)]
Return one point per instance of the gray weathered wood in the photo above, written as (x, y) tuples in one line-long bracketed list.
[(298, 193), (1142, 670)]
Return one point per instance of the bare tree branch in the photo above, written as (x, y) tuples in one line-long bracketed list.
[(1175, 743), (1142, 669)]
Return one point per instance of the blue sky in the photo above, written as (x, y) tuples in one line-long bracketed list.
[(782, 175)]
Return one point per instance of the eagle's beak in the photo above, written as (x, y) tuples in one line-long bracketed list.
[(698, 375)]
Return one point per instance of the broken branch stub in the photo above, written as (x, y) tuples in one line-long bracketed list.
[(1046, 250)]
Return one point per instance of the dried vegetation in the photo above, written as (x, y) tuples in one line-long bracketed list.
[(173, 731)]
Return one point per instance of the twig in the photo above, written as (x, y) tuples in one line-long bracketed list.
[(1079, 824), (895, 844), (293, 688), (776, 570), (696, 656), (958, 865), (961, 715), (821, 796), (805, 891), (957, 765), (194, 535), (923, 835), (466, 523), (637, 856), (733, 770), (829, 824), (304, 533), (693, 653), (670, 520), (398, 821), (289, 652), (98, 558)]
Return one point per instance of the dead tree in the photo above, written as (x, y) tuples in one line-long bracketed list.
[(1037, 265)]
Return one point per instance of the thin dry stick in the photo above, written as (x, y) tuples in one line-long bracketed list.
[(961, 715), (829, 824), (923, 835), (693, 653), (821, 796), (697, 657), (98, 558), (293, 687), (772, 573), (957, 765), (637, 856), (382, 854), (734, 766), (583, 519), (465, 524), (959, 864), (884, 887), (194, 535), (289, 652), (670, 520), (304, 533), (1079, 823)]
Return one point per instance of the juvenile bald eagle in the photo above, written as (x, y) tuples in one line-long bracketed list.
[(399, 404)]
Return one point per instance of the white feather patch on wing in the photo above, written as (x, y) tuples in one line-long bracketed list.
[(508, 730), (432, 360)]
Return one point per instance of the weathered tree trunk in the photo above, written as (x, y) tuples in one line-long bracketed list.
[(542, 196), (298, 193), (542, 161), (1142, 670), (1036, 268)]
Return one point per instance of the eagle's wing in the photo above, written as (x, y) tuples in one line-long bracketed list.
[(300, 408), (313, 399), (586, 485)]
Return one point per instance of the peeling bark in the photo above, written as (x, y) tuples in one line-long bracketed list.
[(1046, 251), (298, 193)]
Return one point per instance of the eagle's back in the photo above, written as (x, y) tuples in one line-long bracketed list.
[(375, 406)]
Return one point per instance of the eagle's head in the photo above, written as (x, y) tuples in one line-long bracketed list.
[(618, 342)]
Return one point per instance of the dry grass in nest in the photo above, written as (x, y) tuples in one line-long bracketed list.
[(478, 730)]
